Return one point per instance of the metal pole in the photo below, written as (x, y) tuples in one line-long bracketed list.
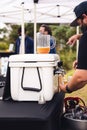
[(35, 25), (35, 28), (22, 32), (77, 30)]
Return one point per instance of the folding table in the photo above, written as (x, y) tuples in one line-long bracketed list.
[(30, 115)]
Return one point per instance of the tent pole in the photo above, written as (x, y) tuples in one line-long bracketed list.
[(35, 27), (77, 31), (22, 26), (22, 45)]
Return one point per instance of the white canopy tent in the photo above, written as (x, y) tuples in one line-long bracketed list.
[(47, 11), (37, 11)]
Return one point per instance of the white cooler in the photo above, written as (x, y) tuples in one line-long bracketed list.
[(32, 76)]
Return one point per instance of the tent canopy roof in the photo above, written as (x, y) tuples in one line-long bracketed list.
[(47, 11)]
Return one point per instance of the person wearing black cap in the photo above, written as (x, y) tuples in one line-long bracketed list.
[(79, 10), (79, 78)]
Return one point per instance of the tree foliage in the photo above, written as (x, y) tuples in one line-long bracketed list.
[(66, 52)]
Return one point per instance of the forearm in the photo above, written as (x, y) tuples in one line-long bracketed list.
[(76, 83), (79, 36), (72, 40), (78, 80)]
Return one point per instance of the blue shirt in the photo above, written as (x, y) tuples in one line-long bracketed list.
[(29, 45), (52, 46)]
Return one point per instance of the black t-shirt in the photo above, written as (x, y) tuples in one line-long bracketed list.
[(82, 53)]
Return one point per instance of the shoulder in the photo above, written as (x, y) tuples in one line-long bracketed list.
[(29, 38)]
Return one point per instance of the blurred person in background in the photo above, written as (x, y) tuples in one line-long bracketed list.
[(29, 43), (45, 29)]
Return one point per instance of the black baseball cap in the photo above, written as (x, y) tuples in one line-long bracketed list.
[(79, 10)]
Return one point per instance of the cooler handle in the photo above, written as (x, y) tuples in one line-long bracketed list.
[(31, 88)]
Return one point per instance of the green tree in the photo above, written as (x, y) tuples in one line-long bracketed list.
[(13, 33), (30, 29), (67, 53)]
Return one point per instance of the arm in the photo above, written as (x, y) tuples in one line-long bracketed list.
[(78, 80), (17, 45), (72, 40), (75, 63), (52, 47), (29, 45)]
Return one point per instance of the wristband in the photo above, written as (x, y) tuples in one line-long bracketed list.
[(68, 90)]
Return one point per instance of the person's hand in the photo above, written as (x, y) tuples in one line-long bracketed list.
[(62, 83), (62, 87), (75, 63), (72, 40)]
